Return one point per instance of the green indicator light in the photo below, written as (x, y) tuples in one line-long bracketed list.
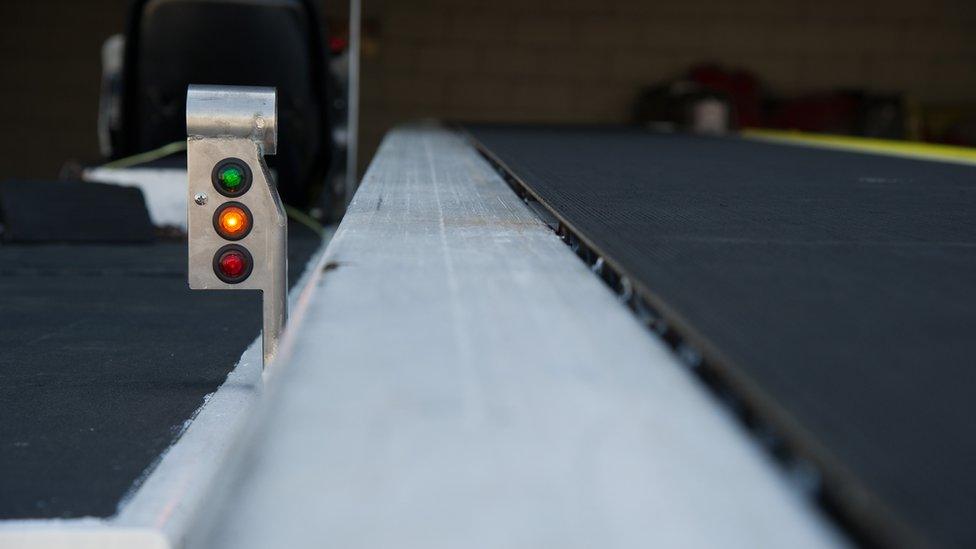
[(231, 177)]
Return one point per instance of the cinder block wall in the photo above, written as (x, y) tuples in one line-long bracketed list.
[(514, 60), (584, 60), (50, 58)]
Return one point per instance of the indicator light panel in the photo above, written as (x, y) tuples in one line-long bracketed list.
[(237, 231)]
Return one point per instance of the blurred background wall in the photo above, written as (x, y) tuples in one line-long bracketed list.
[(585, 60), (51, 67), (581, 61)]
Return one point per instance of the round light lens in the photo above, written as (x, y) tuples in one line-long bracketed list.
[(231, 177), (232, 221), (232, 264)]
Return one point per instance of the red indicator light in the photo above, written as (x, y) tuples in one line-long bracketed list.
[(233, 263)]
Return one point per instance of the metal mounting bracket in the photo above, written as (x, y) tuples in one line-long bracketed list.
[(238, 123)]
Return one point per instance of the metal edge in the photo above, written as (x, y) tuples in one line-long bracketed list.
[(841, 495)]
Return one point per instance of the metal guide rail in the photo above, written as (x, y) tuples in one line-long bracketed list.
[(456, 377)]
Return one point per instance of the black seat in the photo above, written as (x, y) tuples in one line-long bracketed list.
[(173, 43)]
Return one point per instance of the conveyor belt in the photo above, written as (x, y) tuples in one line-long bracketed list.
[(104, 355), (832, 293)]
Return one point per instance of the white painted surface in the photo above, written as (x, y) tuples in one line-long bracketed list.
[(79, 534), (163, 188), (460, 379), (158, 513)]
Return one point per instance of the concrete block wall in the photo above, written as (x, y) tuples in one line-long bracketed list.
[(585, 60), (50, 58), (515, 60)]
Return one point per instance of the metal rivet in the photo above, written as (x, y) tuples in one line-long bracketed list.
[(200, 198)]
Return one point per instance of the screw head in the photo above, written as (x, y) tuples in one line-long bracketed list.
[(200, 199)]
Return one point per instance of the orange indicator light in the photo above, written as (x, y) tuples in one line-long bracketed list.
[(232, 221)]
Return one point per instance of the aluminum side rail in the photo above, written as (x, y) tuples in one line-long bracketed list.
[(456, 377)]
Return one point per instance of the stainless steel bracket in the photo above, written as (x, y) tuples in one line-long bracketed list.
[(240, 124)]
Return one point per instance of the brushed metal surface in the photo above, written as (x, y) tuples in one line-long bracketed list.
[(211, 114), (457, 377), (234, 111)]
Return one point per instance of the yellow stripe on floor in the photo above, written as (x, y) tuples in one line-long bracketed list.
[(906, 149)]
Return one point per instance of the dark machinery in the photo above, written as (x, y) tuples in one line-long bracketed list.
[(278, 43)]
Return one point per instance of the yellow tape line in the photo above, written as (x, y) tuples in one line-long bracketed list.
[(907, 149)]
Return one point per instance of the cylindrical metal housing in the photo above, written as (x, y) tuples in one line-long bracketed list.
[(248, 112)]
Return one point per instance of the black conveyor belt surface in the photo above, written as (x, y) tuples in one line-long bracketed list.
[(104, 355), (837, 290)]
